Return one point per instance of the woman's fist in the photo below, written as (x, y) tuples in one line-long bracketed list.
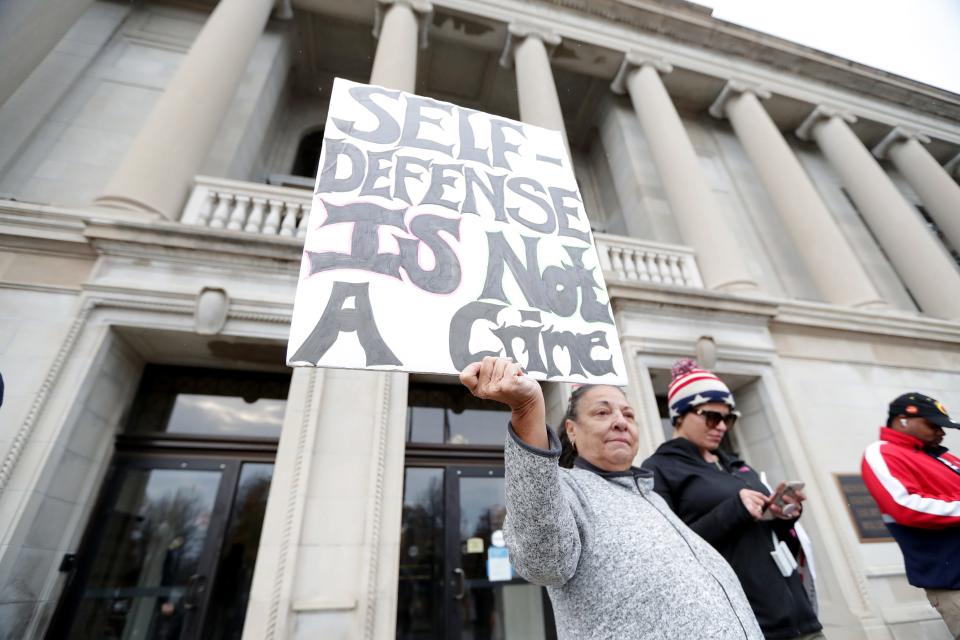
[(502, 380)]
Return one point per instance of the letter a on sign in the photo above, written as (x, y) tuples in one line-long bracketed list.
[(438, 235)]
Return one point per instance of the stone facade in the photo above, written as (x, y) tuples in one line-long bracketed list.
[(120, 208)]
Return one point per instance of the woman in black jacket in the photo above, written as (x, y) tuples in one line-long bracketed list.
[(723, 499)]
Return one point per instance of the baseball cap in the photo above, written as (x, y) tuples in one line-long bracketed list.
[(917, 405)]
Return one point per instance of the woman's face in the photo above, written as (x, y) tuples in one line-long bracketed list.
[(605, 431), (697, 428)]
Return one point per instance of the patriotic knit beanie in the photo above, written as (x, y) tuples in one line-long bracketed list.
[(693, 386)]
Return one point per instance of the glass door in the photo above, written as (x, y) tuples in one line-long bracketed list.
[(172, 545), (456, 580), (485, 599)]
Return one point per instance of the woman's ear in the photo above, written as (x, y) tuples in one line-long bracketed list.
[(571, 428)]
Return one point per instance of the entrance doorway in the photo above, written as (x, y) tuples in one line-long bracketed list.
[(171, 545), (456, 580)]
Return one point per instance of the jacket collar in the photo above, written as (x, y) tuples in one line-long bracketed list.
[(686, 449), (906, 440), (632, 472)]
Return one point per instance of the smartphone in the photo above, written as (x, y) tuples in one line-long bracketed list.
[(787, 488)]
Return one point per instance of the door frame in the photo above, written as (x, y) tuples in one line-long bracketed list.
[(452, 605), (472, 462)]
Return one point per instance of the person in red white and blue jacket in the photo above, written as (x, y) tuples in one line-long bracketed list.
[(916, 483)]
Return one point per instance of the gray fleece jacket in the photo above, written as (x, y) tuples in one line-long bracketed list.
[(616, 561)]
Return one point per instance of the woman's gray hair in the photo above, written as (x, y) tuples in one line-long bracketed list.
[(568, 450)]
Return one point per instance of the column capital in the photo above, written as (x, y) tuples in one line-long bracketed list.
[(633, 60), (897, 134), (822, 112), (731, 89), (422, 9), (953, 166), (519, 31)]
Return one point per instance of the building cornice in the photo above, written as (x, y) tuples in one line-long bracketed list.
[(705, 45), (899, 324), (633, 296), (33, 228), (703, 30), (784, 315)]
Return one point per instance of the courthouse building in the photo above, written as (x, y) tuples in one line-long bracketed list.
[(789, 218)]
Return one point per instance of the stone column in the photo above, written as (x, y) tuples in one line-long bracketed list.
[(400, 27), (953, 166), (814, 230), (691, 199), (937, 190), (529, 49), (923, 264), (159, 168)]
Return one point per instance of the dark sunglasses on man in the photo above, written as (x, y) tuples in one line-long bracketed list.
[(714, 418)]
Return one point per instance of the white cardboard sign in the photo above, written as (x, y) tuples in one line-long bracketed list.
[(439, 235)]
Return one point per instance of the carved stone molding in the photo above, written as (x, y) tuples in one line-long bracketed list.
[(822, 112), (422, 9), (633, 60), (376, 511), (731, 89), (517, 32), (897, 134), (12, 456), (292, 516), (210, 313)]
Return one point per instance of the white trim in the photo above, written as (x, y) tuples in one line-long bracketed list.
[(899, 493)]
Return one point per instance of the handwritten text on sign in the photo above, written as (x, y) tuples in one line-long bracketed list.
[(439, 235)]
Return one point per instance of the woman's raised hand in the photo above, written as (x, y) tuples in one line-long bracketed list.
[(503, 380)]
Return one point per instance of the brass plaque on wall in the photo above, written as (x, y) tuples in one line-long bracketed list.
[(866, 517)]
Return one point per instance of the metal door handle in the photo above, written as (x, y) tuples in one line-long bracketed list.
[(459, 573), (196, 585)]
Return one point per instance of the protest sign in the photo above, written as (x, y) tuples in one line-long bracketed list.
[(439, 235)]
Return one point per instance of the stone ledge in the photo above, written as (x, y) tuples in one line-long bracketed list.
[(887, 323), (200, 245), (624, 295), (90, 231), (785, 313)]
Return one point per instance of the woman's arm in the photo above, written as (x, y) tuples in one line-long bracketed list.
[(725, 518), (717, 523), (540, 528)]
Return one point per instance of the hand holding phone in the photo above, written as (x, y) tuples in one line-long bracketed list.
[(785, 501)]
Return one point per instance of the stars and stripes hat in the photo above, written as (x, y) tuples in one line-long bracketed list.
[(916, 405), (693, 386)]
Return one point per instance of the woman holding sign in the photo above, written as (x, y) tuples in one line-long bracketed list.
[(725, 501), (616, 561)]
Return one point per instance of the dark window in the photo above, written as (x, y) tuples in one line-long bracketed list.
[(308, 155), (209, 402), (449, 414)]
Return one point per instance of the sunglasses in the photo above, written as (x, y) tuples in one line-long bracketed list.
[(714, 418)]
